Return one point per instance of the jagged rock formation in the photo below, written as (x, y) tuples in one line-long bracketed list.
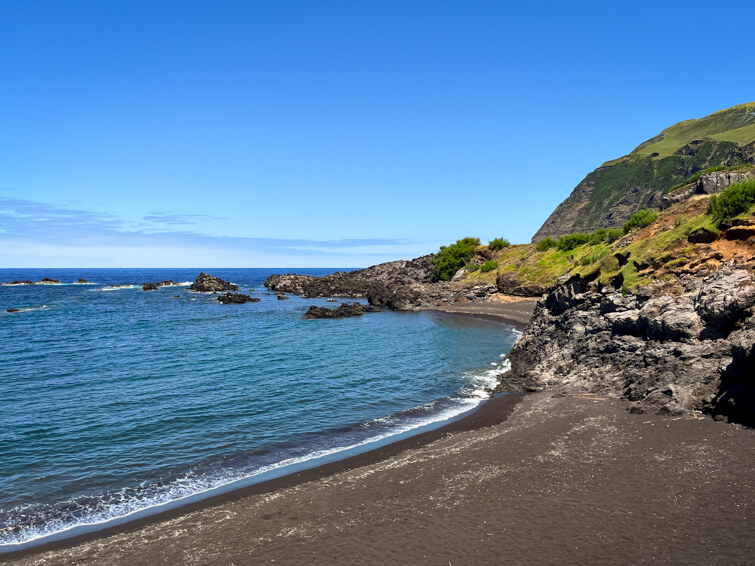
[(236, 299), (399, 285), (670, 348), (210, 284), (707, 184), (344, 310), (609, 195), (149, 287)]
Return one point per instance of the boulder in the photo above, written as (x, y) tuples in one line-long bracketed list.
[(236, 299), (205, 283)]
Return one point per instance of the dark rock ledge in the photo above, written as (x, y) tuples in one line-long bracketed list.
[(343, 311), (671, 348), (236, 298)]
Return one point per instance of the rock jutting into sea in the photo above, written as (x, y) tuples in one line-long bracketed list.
[(398, 285), (344, 310), (236, 298), (205, 283), (671, 348)]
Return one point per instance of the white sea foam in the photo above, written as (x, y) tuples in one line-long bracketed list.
[(195, 486), (117, 288)]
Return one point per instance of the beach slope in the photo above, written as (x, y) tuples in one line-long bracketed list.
[(565, 479)]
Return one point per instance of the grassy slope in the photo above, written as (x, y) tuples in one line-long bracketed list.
[(654, 167), (735, 124), (658, 251)]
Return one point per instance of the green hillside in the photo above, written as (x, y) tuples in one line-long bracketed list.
[(613, 192), (735, 124)]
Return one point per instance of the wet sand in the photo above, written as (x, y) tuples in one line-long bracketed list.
[(561, 480)]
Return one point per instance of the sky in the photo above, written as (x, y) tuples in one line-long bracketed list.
[(329, 134)]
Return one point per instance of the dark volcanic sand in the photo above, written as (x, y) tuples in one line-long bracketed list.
[(516, 311), (574, 480)]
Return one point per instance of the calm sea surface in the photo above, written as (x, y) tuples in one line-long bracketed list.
[(117, 400)]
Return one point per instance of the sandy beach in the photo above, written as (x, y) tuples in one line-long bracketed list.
[(561, 480)]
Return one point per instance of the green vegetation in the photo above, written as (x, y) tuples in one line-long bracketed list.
[(451, 259), (640, 219), (571, 241), (734, 200), (594, 256), (498, 244), (733, 124), (669, 160), (546, 243), (489, 266)]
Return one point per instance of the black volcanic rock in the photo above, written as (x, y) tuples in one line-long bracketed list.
[(236, 299), (671, 348), (205, 283), (343, 311), (149, 287), (48, 281), (17, 282), (82, 281), (13, 310)]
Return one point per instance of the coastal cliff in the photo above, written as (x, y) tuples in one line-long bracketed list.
[(671, 348), (610, 194)]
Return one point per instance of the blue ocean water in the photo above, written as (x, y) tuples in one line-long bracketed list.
[(116, 400)]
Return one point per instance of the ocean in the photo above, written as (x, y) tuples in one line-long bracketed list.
[(118, 402)]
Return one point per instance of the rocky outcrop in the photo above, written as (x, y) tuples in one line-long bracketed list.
[(236, 299), (670, 348), (707, 184), (205, 283), (343, 311), (510, 284), (398, 285), (20, 282), (149, 287)]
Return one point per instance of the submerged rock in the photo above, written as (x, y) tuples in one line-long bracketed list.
[(13, 310), (236, 298), (343, 311), (205, 283)]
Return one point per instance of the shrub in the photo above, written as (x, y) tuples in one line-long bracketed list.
[(733, 200), (489, 266), (613, 234), (451, 259), (640, 219), (498, 244), (571, 241), (545, 244)]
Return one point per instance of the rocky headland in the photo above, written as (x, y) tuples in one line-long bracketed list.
[(398, 285)]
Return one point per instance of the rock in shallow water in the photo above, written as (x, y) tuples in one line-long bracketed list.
[(343, 311), (236, 298)]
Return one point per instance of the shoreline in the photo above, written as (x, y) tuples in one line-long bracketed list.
[(564, 479), (489, 413)]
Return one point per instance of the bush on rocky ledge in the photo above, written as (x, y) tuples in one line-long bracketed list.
[(451, 259)]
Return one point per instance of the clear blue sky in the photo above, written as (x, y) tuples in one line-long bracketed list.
[(296, 134)]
